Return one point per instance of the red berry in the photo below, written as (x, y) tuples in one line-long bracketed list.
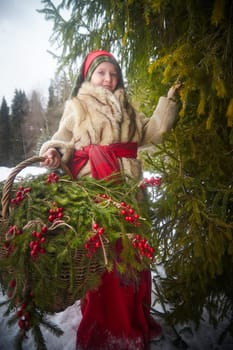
[(34, 233), (21, 324), (51, 218), (26, 316), (60, 215), (100, 231), (31, 244), (44, 229), (38, 235), (33, 253), (97, 244), (12, 283), (123, 212), (28, 189), (95, 226), (19, 313), (158, 181), (23, 306)]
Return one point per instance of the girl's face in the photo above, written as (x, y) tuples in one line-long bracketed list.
[(105, 75)]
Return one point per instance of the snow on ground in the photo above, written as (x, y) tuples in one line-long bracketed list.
[(67, 320), (203, 339), (30, 170)]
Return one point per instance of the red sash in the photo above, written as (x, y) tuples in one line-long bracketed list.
[(103, 159)]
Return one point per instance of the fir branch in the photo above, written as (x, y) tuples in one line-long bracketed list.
[(38, 338), (18, 341), (52, 327)]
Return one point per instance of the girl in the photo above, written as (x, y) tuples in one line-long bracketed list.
[(99, 134)]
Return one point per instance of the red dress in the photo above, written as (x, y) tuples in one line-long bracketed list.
[(116, 316)]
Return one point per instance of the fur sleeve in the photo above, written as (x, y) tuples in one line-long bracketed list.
[(161, 121)]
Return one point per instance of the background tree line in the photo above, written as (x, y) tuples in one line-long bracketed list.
[(157, 43), (27, 122)]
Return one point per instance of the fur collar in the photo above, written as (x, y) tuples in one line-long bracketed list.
[(103, 100), (100, 94)]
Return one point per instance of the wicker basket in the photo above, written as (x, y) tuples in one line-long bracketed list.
[(66, 289), (73, 260)]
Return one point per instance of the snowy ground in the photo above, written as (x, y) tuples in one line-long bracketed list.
[(204, 339)]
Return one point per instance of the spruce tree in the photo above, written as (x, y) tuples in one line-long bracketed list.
[(191, 41), (5, 145), (19, 110)]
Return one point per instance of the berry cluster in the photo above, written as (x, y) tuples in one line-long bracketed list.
[(94, 241), (143, 246), (20, 195), (52, 178), (23, 317), (22, 313), (101, 197), (126, 210), (55, 214), (36, 244), (129, 214), (14, 230), (152, 181)]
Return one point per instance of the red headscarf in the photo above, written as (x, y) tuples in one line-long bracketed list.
[(91, 57)]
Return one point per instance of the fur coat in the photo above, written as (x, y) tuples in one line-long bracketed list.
[(98, 116)]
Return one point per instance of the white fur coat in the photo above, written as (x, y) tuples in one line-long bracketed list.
[(97, 116)]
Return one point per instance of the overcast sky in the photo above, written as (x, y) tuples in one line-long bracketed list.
[(24, 40)]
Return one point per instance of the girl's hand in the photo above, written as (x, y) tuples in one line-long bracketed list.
[(174, 90), (52, 159)]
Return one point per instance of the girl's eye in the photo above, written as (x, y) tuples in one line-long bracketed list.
[(101, 72)]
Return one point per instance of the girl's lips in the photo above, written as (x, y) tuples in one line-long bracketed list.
[(108, 87)]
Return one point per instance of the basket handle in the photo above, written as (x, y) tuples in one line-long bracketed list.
[(9, 181)]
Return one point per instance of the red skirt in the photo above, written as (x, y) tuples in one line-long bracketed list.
[(116, 316)]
